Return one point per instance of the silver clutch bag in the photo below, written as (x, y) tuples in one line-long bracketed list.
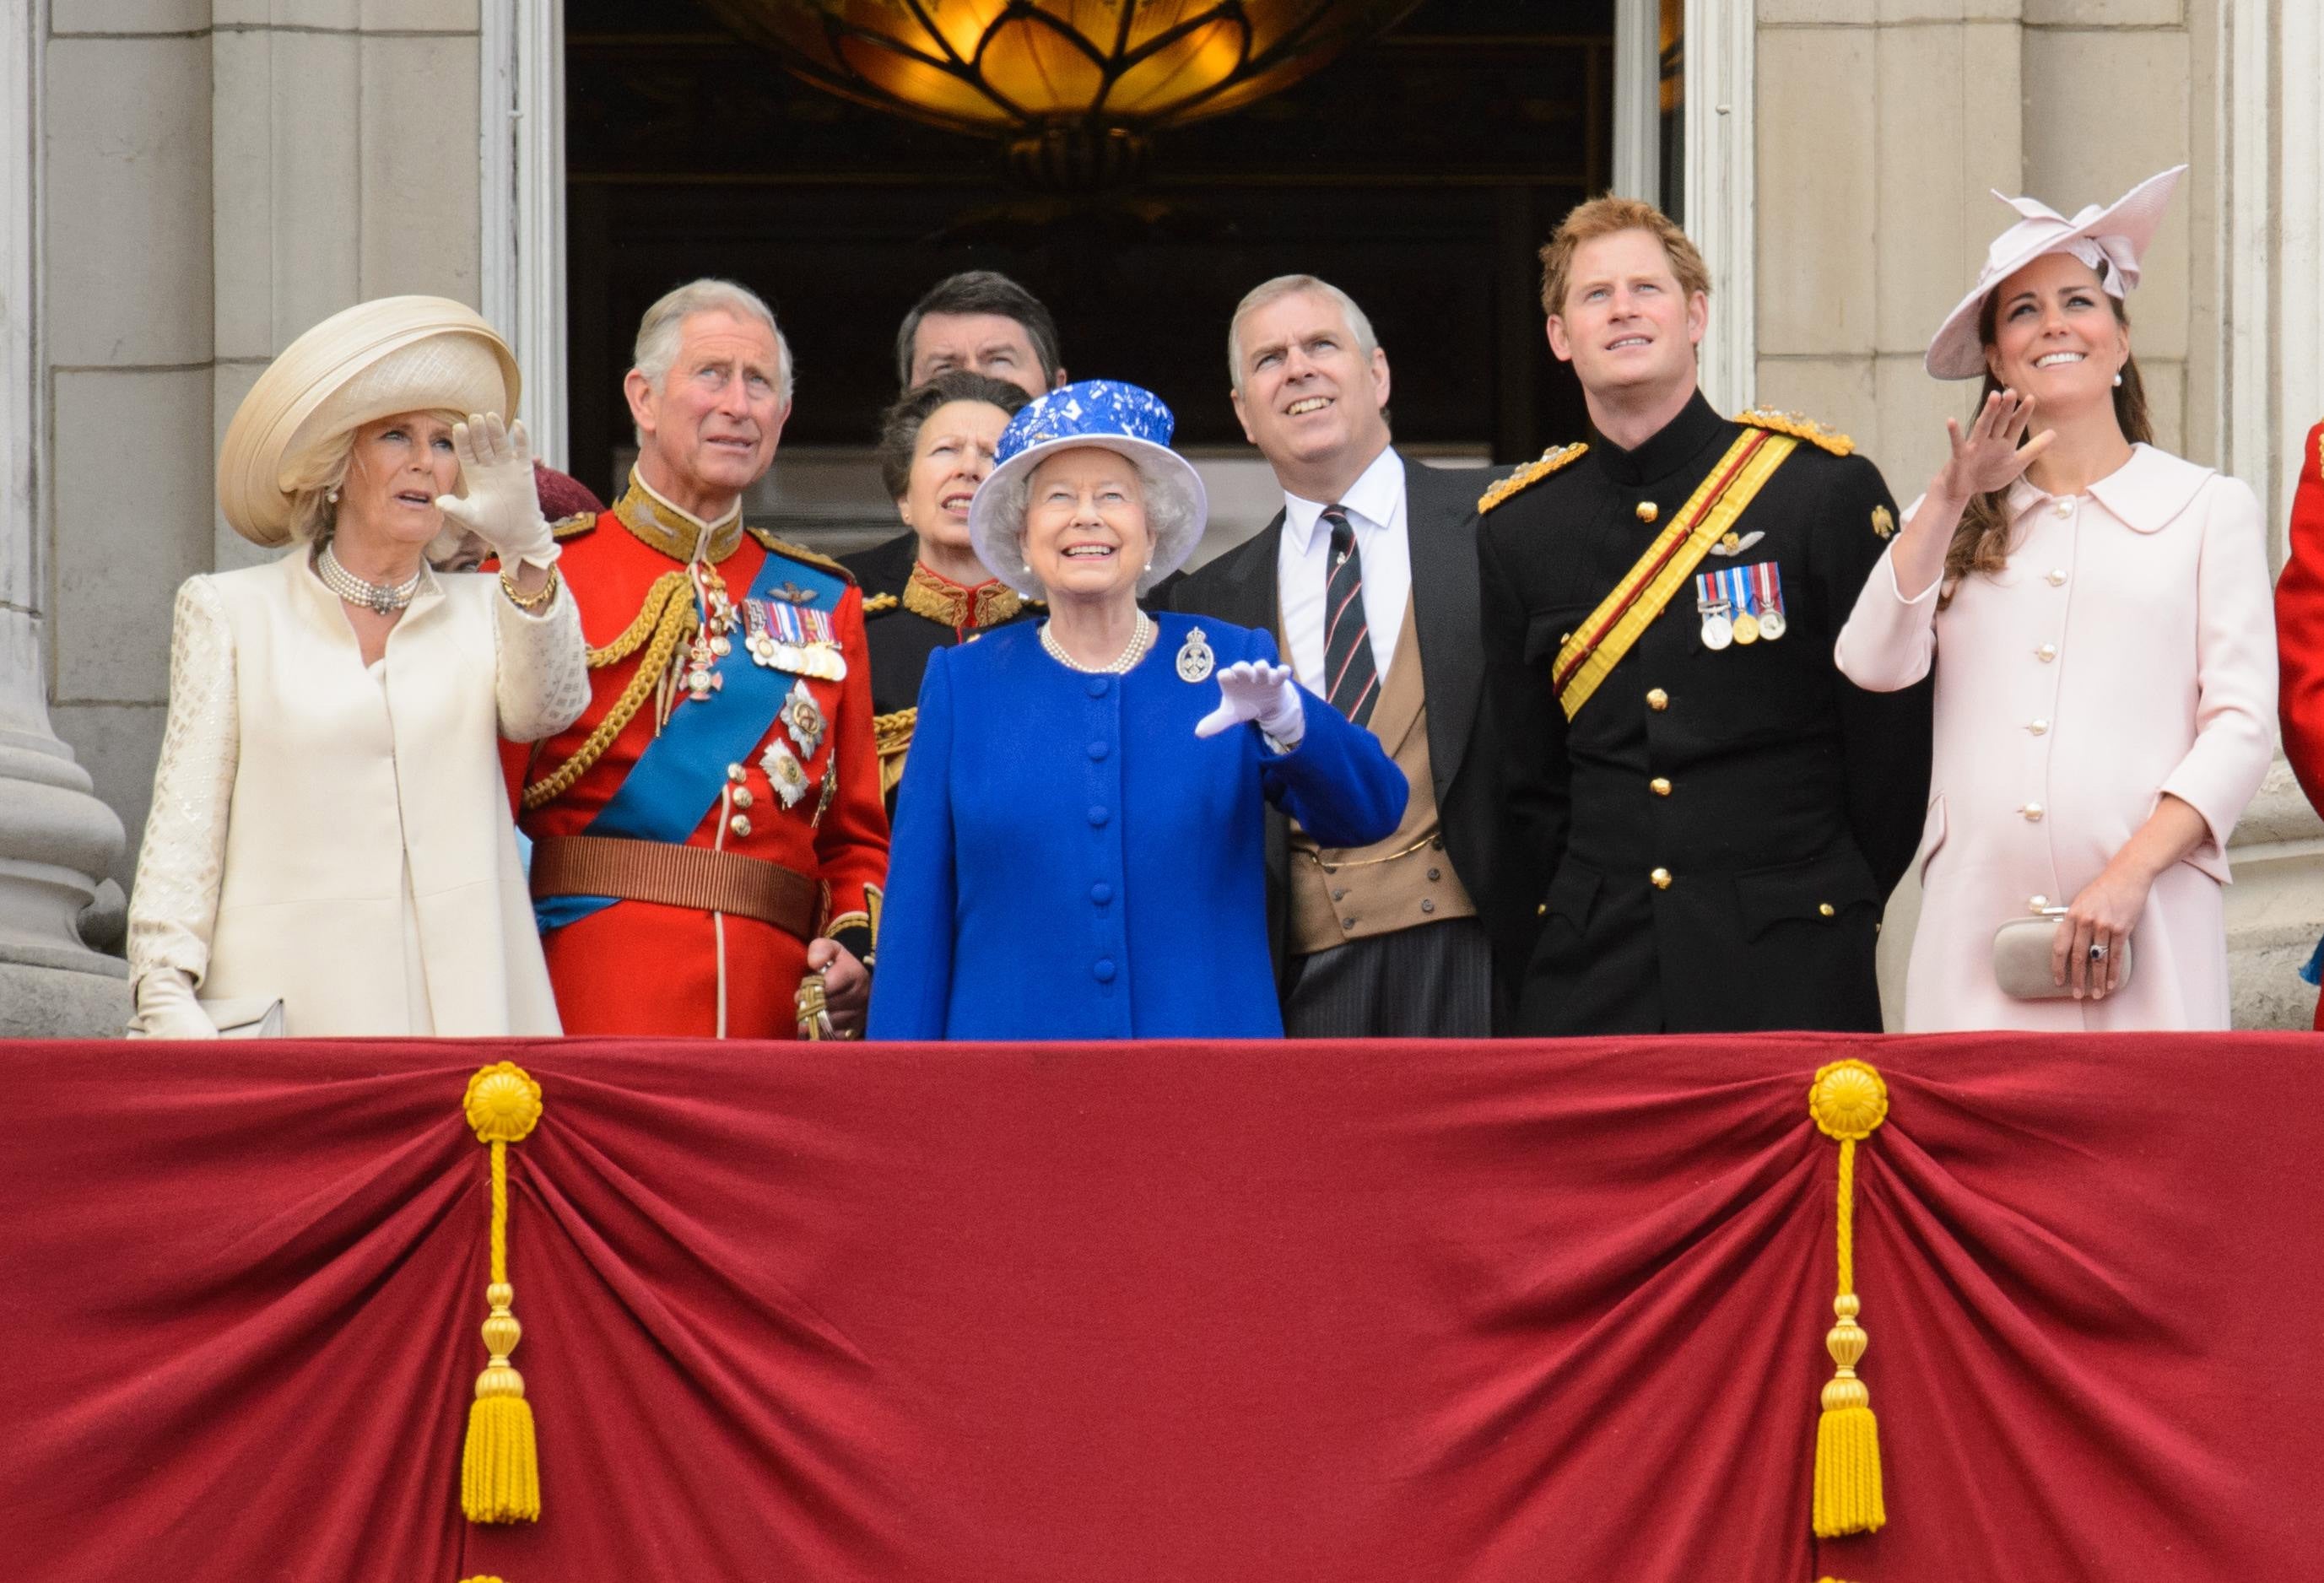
[(2021, 957), (250, 1017)]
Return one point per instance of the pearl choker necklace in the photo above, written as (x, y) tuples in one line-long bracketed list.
[(380, 598), (1142, 638)]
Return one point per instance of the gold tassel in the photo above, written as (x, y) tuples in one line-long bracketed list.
[(500, 1468), (1848, 1101)]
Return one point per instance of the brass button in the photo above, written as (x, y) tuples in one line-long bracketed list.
[(1826, 908), (1648, 510), (2046, 653), (741, 796), (1542, 911), (1657, 700), (740, 824), (2032, 811), (1662, 879), (1659, 786), (2038, 727), (737, 774), (2057, 577)]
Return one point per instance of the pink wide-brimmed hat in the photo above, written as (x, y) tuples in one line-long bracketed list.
[(2110, 240)]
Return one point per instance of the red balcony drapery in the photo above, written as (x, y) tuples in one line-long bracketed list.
[(1164, 1311)]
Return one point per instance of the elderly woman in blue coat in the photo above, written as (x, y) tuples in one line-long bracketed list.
[(1078, 850)]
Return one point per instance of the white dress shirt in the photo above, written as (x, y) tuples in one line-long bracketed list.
[(1375, 508)]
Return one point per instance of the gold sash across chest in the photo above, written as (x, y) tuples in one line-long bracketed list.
[(1590, 652)]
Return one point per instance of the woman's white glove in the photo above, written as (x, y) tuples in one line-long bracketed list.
[(167, 1008), (1264, 694), (501, 505)]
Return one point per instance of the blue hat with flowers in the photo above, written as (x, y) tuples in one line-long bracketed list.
[(1112, 415)]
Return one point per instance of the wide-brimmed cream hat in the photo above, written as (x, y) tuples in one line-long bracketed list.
[(2111, 240), (1110, 415), (372, 361)]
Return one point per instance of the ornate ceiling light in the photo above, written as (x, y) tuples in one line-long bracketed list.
[(1075, 86)]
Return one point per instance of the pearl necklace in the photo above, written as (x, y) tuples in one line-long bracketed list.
[(1142, 638), (380, 598)]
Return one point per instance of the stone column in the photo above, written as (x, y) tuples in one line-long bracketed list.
[(56, 839)]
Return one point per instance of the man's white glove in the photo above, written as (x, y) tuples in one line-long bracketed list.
[(1264, 694), (501, 505), (167, 1008)]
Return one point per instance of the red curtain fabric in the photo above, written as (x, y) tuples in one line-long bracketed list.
[(1389, 1312)]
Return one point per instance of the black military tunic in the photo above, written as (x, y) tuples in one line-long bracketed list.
[(903, 625), (1709, 842)]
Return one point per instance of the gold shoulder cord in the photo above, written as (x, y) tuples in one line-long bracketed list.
[(1531, 473), (666, 619), (1799, 427)]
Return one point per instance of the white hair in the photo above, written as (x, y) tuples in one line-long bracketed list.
[(1171, 515), (1283, 286), (664, 325)]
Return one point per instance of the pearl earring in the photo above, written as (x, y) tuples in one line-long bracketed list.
[(2117, 382), (332, 495)]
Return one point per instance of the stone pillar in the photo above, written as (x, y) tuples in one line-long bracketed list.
[(56, 839)]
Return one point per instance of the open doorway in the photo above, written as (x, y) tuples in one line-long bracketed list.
[(1420, 172)]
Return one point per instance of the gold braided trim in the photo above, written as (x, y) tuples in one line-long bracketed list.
[(669, 585), (880, 601), (891, 739), (1531, 473), (675, 622), (800, 553), (572, 527), (1798, 428)]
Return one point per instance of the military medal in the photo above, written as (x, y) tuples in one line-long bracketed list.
[(1767, 590), (803, 718), (1736, 586), (1746, 629), (1712, 603), (1195, 658), (785, 773)]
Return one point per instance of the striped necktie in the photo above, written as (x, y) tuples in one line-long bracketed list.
[(1353, 680)]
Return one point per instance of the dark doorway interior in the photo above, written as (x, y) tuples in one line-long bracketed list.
[(1420, 172)]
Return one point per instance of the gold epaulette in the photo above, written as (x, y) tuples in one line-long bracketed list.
[(573, 527), (801, 553), (891, 739), (880, 601), (1798, 428), (1531, 473)]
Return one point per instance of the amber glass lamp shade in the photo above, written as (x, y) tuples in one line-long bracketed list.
[(1074, 85)]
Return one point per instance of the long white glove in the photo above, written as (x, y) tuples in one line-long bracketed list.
[(1264, 694), (502, 506), (167, 1008)]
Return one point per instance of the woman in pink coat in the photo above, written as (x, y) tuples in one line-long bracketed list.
[(2097, 612)]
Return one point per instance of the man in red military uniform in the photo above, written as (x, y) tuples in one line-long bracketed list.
[(710, 830), (2299, 638)]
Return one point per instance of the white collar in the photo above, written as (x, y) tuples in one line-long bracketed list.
[(1374, 497), (2147, 493)]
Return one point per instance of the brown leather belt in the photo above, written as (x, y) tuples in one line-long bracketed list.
[(676, 875)]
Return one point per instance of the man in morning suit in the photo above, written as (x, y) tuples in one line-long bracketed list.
[(1702, 818), (710, 830), (1368, 579)]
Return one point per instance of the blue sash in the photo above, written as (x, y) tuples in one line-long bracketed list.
[(682, 773)]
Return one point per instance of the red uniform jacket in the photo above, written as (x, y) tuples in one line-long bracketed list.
[(2300, 631), (641, 967)]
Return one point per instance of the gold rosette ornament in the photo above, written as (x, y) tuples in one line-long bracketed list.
[(500, 1468), (1848, 1101)]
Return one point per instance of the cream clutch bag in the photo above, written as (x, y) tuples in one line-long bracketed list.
[(2021, 957), (250, 1017)]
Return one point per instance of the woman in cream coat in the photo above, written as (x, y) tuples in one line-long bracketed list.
[(2097, 614), (330, 825)]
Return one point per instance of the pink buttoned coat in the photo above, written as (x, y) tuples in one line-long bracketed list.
[(2127, 650)]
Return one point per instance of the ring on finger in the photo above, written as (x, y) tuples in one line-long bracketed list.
[(2098, 951)]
